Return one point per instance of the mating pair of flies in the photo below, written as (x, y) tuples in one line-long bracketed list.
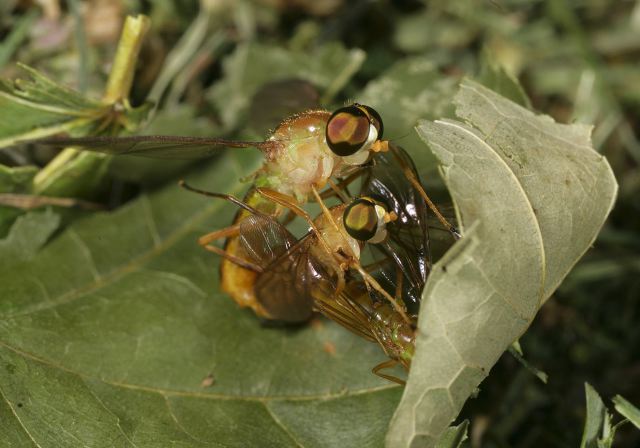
[(363, 263)]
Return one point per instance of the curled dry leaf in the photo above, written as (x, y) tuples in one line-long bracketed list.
[(531, 196)]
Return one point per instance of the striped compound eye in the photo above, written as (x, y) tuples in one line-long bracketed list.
[(364, 219), (353, 128)]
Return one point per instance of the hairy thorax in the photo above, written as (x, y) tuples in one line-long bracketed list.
[(301, 159)]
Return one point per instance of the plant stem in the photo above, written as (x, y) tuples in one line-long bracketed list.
[(53, 178), (121, 76)]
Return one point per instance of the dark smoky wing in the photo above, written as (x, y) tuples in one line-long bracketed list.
[(408, 242), (448, 211), (156, 146), (285, 288), (263, 239)]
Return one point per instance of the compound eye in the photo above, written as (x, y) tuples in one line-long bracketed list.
[(348, 130), (375, 118), (361, 219)]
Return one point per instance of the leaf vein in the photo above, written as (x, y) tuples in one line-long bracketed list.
[(86, 252), (125, 268), (204, 396), (277, 421), (101, 403), (178, 424), (149, 220), (13, 411)]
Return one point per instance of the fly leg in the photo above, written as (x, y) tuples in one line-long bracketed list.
[(290, 216), (231, 231), (375, 285), (290, 203), (344, 197), (387, 365), (399, 280), (226, 197), (335, 189), (418, 186), (369, 280)]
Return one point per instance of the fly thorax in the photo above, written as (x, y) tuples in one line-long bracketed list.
[(303, 160), (306, 163)]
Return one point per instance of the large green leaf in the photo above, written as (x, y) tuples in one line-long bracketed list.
[(531, 196), (110, 335)]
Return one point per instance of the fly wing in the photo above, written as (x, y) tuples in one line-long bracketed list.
[(288, 271), (263, 239), (156, 146), (286, 286), (408, 242), (347, 308)]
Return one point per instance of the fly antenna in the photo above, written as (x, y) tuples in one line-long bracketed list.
[(224, 196)]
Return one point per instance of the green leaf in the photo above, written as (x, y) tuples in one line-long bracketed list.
[(412, 89), (82, 174), (16, 179), (37, 107), (516, 351), (628, 410), (251, 66), (496, 78), (19, 33), (108, 335), (595, 418), (28, 234), (531, 195), (428, 31), (13, 180), (454, 436)]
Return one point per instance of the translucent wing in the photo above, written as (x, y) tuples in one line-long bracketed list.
[(290, 273), (346, 309), (285, 289), (263, 239), (156, 146)]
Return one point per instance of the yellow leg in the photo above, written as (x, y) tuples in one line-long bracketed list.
[(387, 365), (227, 232), (342, 185), (325, 211), (418, 186), (226, 197), (399, 280), (339, 191), (369, 280), (291, 204), (231, 231), (375, 285)]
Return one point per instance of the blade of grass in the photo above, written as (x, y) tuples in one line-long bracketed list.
[(81, 42), (19, 33)]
